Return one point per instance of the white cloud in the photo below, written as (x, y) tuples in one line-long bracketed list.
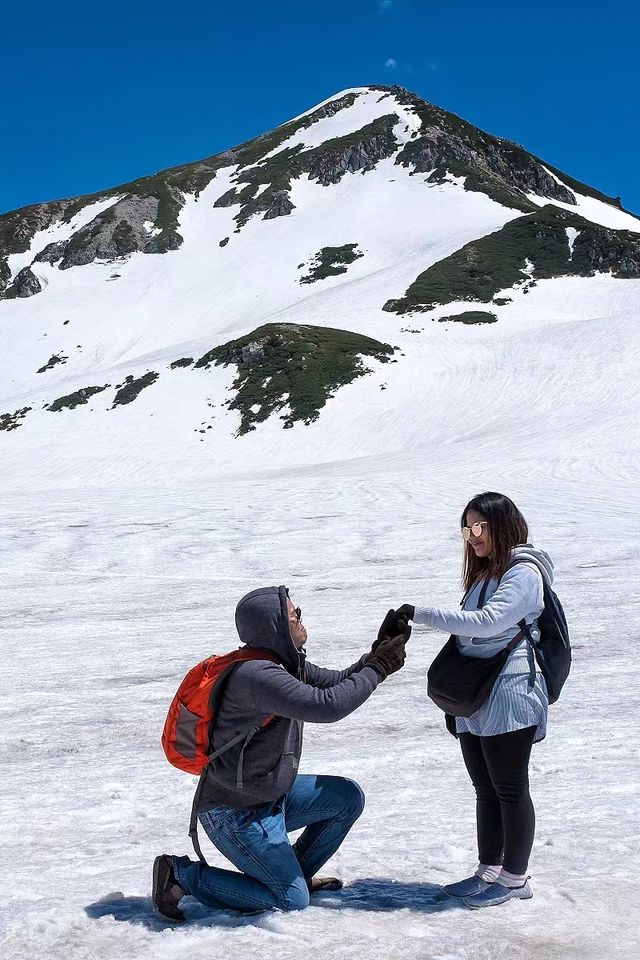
[(391, 64)]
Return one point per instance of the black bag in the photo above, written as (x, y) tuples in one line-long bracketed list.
[(553, 649), (459, 685)]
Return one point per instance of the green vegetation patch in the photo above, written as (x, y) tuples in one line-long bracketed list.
[(332, 261), (292, 365), (133, 387), (72, 400), (527, 249), (11, 421), (470, 316)]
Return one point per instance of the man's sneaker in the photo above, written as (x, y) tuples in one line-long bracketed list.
[(166, 892), (467, 888), (496, 893), (315, 884)]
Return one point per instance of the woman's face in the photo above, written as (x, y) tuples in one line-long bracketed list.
[(481, 544)]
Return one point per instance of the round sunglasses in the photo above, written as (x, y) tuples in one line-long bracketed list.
[(475, 529)]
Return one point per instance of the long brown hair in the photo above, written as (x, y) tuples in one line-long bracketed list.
[(507, 527)]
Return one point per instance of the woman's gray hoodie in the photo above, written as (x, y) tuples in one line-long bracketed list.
[(519, 595), (263, 767)]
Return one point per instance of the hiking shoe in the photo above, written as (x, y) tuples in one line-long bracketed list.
[(467, 888), (166, 891), (315, 884), (496, 893)]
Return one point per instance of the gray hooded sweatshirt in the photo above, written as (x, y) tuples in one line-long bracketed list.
[(262, 767), (519, 595)]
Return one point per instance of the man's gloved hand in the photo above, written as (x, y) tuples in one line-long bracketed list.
[(389, 656)]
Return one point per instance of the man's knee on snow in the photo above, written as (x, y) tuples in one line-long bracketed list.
[(295, 897)]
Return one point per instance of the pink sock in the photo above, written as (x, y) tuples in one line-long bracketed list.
[(489, 872), (507, 879)]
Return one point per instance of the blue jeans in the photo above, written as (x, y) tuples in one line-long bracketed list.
[(273, 872)]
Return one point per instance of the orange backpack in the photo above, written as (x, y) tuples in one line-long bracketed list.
[(193, 710), (187, 729)]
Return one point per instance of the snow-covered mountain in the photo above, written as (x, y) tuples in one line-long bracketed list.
[(317, 278), (294, 363)]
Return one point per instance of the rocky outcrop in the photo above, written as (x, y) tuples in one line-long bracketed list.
[(52, 253), (25, 284), (5, 274), (52, 362), (132, 387), (11, 421), (280, 206), (75, 399), (358, 152), (117, 231), (18, 227)]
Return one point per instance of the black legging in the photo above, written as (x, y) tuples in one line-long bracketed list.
[(499, 770)]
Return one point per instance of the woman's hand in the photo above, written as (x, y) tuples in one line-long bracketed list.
[(392, 625), (406, 611)]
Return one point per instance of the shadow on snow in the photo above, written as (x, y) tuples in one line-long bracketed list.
[(375, 895)]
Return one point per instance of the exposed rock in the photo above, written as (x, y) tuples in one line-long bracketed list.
[(165, 241), (224, 242), (252, 354), (117, 231), (132, 387), (75, 399), (281, 206), (5, 274), (26, 284), (18, 227), (227, 199), (52, 252), (182, 362), (52, 362), (330, 163), (11, 421)]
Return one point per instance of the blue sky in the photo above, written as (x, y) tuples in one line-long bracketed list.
[(97, 94)]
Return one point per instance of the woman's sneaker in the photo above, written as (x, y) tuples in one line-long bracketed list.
[(166, 892), (467, 888), (496, 893)]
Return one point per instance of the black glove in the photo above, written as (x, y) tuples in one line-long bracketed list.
[(391, 626), (407, 611), (389, 656)]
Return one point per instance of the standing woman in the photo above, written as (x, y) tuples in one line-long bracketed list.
[(496, 740)]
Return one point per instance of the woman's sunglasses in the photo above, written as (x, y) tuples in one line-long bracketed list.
[(475, 529)]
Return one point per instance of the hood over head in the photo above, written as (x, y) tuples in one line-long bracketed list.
[(540, 558), (262, 620)]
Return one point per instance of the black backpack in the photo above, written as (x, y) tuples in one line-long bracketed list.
[(553, 649)]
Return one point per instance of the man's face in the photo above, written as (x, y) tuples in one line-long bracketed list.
[(296, 628)]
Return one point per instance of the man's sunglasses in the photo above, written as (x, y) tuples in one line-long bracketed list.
[(298, 613), (475, 529)]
